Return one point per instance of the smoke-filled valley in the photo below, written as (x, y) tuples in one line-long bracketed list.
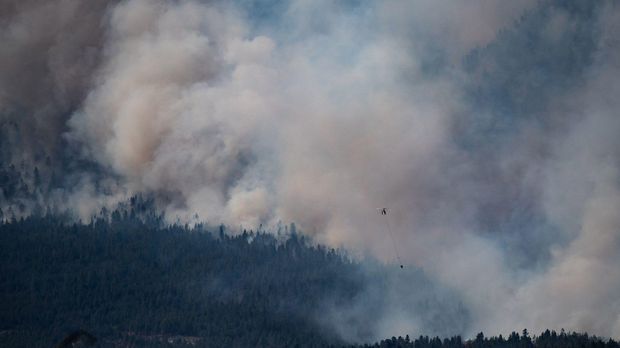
[(490, 131)]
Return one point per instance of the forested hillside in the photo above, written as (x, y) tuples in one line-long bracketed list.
[(131, 281), (548, 339)]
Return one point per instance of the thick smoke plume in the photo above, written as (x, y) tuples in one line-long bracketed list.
[(49, 53), (489, 130)]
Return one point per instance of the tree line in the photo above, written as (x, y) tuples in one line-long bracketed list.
[(129, 279)]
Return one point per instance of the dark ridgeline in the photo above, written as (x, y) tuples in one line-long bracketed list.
[(548, 339), (130, 281)]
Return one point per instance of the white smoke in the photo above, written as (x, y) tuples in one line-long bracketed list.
[(327, 112), (176, 109)]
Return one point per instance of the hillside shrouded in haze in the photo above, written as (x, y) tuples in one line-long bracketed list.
[(489, 130), (128, 281)]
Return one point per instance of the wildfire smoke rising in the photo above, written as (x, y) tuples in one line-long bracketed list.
[(490, 130)]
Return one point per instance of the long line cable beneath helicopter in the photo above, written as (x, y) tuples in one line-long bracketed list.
[(383, 212)]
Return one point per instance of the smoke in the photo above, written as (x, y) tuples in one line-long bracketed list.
[(49, 52), (177, 110), (582, 196), (488, 130)]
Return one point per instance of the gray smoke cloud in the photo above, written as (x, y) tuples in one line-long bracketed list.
[(49, 52), (581, 196), (488, 129)]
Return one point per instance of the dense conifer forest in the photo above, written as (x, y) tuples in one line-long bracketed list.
[(132, 281)]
